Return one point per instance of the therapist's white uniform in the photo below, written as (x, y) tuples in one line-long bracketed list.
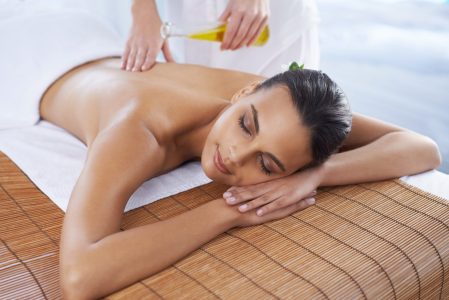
[(293, 37), (293, 32)]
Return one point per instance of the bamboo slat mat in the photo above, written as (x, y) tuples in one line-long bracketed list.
[(384, 240)]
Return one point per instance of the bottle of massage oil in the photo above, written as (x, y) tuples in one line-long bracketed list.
[(207, 32)]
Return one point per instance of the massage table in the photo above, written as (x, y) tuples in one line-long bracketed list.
[(383, 240)]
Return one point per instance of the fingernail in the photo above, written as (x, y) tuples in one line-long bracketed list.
[(310, 201), (243, 207), (259, 212), (314, 193), (230, 200), (227, 194)]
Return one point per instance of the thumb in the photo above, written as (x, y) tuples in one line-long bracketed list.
[(167, 53)]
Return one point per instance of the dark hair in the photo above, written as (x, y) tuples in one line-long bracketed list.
[(322, 107)]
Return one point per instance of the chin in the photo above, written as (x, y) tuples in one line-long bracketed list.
[(211, 172)]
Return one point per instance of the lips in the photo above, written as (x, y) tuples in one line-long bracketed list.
[(218, 161)]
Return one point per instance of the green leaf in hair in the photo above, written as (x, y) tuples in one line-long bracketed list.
[(294, 66)]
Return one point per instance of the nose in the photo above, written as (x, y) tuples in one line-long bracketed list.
[(239, 154)]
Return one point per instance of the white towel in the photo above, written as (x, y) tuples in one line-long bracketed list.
[(36, 48), (53, 159)]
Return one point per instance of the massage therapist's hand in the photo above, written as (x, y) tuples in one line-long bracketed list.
[(144, 40), (296, 190), (246, 19)]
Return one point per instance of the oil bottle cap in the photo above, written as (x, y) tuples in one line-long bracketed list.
[(166, 29)]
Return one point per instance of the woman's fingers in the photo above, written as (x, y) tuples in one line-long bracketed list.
[(246, 20), (140, 58), (252, 30), (242, 32), (262, 200), (143, 45), (235, 195), (271, 201), (167, 53), (231, 30), (256, 34), (264, 14), (149, 61), (284, 202), (224, 18), (131, 59), (125, 57), (249, 218)]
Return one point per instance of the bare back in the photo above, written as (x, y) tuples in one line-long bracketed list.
[(93, 96)]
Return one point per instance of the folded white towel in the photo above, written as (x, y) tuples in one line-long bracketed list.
[(53, 159)]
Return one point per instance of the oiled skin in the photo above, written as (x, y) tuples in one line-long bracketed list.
[(94, 96)]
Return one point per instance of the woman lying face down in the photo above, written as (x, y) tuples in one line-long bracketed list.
[(294, 120), (297, 120)]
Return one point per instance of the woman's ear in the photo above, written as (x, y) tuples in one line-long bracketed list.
[(245, 91)]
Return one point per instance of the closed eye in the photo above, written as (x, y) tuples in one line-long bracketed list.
[(242, 125), (263, 167)]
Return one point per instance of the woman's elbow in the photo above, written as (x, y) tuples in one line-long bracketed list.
[(427, 152), (74, 280), (434, 155)]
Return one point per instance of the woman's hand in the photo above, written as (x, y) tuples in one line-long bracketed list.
[(144, 40), (250, 218), (279, 196), (246, 21)]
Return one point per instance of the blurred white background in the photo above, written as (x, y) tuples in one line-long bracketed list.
[(392, 59)]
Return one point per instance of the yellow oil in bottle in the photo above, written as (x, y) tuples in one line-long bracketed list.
[(216, 35)]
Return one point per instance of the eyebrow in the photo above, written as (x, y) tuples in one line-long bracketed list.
[(255, 117), (256, 122)]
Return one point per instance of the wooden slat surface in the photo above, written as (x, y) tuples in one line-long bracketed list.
[(384, 240)]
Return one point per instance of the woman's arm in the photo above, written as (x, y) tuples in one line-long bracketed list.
[(123, 258), (96, 258), (374, 150)]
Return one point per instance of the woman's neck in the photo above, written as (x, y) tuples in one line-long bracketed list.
[(190, 143)]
